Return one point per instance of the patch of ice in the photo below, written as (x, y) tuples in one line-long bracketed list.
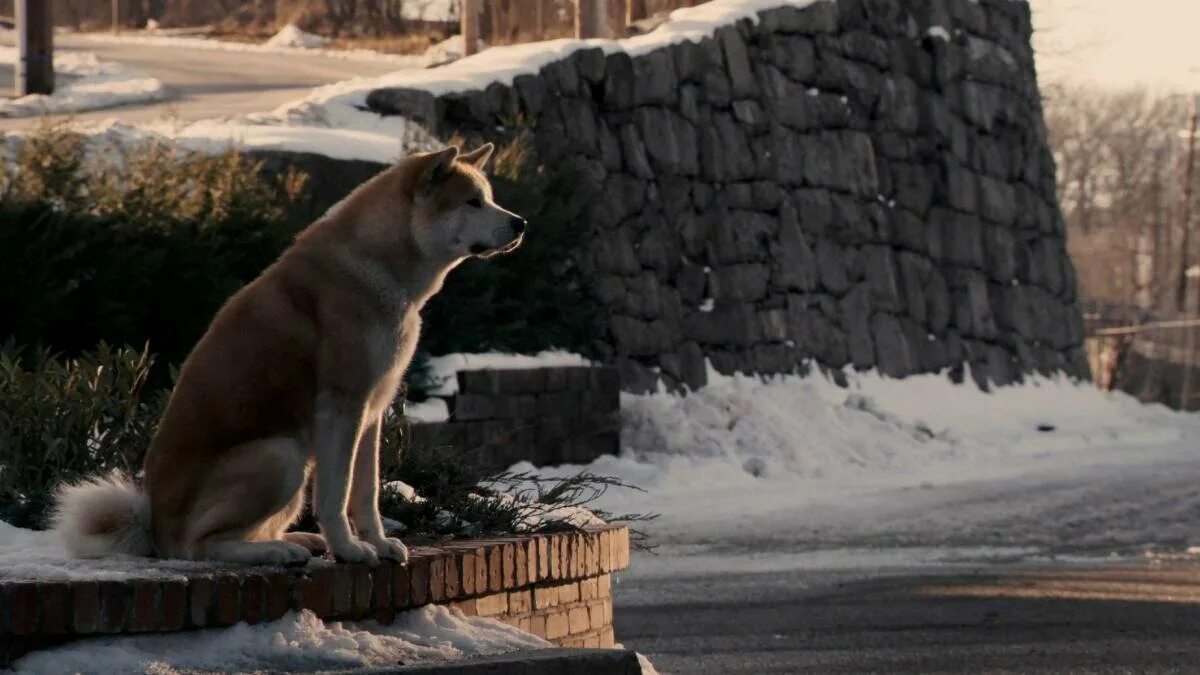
[(298, 642)]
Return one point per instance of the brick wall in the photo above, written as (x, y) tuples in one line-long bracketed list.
[(546, 416), (556, 586)]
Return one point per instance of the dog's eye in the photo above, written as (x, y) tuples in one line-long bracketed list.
[(476, 202)]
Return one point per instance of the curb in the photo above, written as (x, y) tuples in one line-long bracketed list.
[(534, 662)]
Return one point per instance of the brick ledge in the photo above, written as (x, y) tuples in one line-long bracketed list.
[(467, 574)]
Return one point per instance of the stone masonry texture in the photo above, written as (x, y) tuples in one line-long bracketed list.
[(546, 416), (833, 184), (557, 586)]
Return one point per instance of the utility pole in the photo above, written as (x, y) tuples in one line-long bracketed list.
[(35, 48), (469, 23), (591, 19), (1191, 274), (1185, 249)]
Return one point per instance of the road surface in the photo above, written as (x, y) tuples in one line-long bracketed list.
[(1083, 571), (210, 83), (1136, 618)]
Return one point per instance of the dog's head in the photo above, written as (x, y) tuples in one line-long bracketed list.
[(454, 215)]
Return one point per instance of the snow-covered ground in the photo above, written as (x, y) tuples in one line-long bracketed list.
[(333, 120), (752, 474), (84, 83), (299, 642)]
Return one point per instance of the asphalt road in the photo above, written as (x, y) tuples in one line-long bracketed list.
[(210, 83), (1140, 617)]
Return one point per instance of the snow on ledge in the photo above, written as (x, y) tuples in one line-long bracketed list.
[(444, 369), (503, 64)]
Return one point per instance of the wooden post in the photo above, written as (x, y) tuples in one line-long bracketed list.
[(469, 13), (635, 10), (35, 48), (591, 19), (541, 20), (116, 16)]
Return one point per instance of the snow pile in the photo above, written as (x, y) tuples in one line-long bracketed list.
[(299, 642), (291, 36), (83, 83), (430, 10), (443, 370), (918, 462), (447, 51)]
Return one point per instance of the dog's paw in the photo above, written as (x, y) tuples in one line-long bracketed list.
[(392, 549), (355, 551), (284, 554), (315, 543)]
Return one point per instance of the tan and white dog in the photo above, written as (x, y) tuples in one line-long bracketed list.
[(293, 377)]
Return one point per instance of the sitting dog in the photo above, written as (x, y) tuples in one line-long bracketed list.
[(293, 378)]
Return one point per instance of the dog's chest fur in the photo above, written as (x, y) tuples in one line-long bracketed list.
[(389, 350)]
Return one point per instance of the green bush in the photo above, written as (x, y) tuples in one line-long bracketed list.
[(145, 246), (61, 420)]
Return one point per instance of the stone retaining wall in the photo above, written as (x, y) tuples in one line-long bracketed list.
[(860, 182), (546, 416), (557, 586)]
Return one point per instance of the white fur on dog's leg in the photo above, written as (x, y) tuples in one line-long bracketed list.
[(364, 498), (335, 439), (275, 553)]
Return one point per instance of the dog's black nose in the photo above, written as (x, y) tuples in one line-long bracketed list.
[(518, 224)]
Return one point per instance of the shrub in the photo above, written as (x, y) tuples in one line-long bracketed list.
[(143, 246), (61, 420)]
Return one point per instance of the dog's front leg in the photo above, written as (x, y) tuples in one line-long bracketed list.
[(364, 496), (337, 427)]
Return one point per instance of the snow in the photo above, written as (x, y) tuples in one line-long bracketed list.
[(27, 555), (429, 411), (938, 32), (430, 10), (444, 369), (448, 50), (885, 472), (298, 642), (83, 83), (291, 36)]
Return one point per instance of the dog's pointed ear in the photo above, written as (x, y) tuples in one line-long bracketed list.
[(479, 156), (438, 165)]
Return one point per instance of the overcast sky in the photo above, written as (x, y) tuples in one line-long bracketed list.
[(1119, 42)]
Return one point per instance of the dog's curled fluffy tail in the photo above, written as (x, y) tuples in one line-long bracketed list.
[(104, 515)]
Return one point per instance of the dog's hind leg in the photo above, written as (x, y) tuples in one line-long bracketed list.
[(245, 504)]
